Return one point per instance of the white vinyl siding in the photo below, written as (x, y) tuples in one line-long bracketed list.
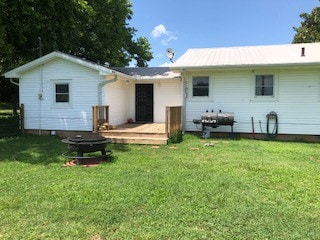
[(83, 95), (296, 101), (117, 98), (165, 93)]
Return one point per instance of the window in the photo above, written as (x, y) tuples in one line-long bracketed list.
[(61, 90), (264, 85), (200, 86), (62, 93)]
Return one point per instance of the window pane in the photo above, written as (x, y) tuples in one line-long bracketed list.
[(200, 92), (258, 91), (268, 81), (264, 85), (259, 81), (62, 88), (62, 97), (200, 81), (200, 86), (268, 91), (62, 93)]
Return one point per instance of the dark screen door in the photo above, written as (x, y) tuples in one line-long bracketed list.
[(144, 102)]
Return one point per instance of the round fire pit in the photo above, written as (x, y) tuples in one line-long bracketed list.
[(88, 144)]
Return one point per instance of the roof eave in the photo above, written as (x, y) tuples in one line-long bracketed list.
[(123, 75), (246, 66), (16, 73), (157, 78)]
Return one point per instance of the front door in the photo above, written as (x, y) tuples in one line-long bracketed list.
[(144, 102)]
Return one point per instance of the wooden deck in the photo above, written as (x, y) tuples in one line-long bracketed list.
[(135, 133)]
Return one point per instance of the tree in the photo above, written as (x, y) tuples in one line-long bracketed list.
[(95, 30), (309, 31)]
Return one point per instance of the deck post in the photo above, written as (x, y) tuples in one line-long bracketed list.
[(22, 118), (173, 119), (94, 119), (100, 116)]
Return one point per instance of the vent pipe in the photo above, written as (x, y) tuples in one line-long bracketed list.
[(303, 51)]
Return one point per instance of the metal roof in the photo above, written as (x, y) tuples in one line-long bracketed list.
[(268, 55), (151, 73)]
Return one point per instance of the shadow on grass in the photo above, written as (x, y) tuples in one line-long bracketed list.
[(32, 149), (120, 147), (42, 150)]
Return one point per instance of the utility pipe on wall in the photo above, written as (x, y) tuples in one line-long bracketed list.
[(103, 83), (40, 97)]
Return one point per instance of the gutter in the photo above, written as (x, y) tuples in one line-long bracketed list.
[(103, 83), (13, 82), (184, 96), (246, 66), (115, 75)]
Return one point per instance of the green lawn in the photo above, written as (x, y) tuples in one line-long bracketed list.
[(238, 189), (5, 110)]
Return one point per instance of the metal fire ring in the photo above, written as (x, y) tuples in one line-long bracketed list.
[(66, 155)]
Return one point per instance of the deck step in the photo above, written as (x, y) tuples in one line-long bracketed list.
[(115, 134), (139, 140), (153, 133)]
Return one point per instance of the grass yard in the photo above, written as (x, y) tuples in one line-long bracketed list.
[(5, 109), (238, 189)]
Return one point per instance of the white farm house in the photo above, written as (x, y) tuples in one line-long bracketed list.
[(59, 90)]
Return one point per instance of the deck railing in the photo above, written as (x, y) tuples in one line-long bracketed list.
[(173, 119), (100, 118)]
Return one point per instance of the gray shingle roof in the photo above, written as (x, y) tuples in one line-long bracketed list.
[(148, 72)]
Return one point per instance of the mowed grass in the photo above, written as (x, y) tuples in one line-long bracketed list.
[(238, 189), (5, 110)]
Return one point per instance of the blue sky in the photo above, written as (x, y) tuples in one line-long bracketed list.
[(184, 24)]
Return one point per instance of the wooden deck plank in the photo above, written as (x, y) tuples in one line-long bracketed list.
[(143, 128), (135, 133)]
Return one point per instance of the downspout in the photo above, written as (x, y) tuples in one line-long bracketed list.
[(184, 93), (103, 83)]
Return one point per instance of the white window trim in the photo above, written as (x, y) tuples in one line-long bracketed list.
[(274, 97), (200, 98), (62, 105)]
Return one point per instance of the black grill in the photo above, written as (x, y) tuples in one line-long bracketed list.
[(215, 119)]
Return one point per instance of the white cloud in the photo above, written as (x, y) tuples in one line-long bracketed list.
[(161, 31), (166, 41)]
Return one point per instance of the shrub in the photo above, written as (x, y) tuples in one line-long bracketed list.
[(177, 137)]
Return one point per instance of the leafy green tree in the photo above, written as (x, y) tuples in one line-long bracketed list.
[(309, 31), (96, 30)]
